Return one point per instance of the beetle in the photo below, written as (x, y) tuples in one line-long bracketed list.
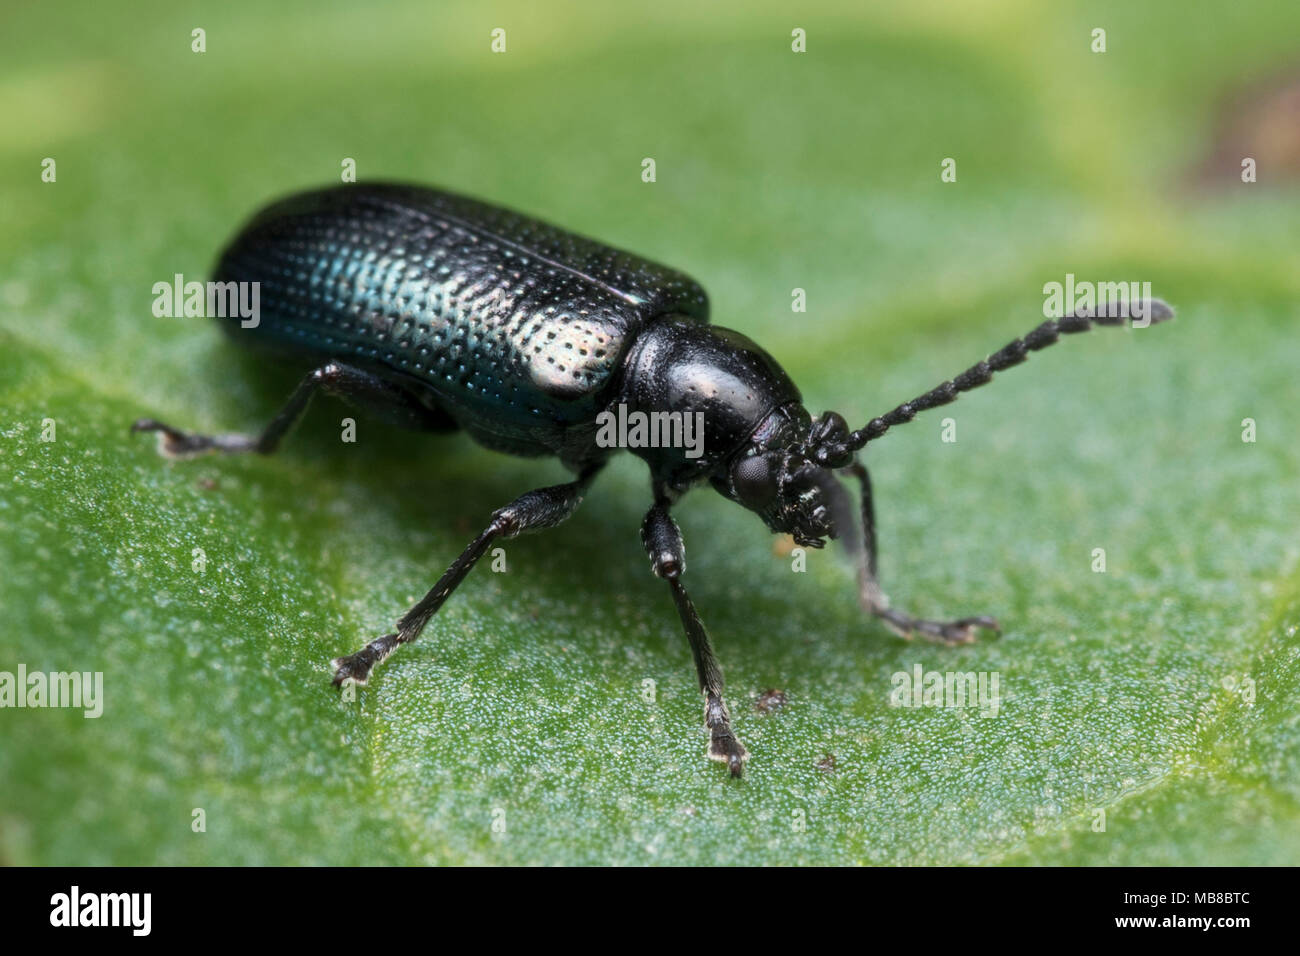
[(441, 312)]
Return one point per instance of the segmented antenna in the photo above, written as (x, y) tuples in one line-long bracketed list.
[(1013, 353)]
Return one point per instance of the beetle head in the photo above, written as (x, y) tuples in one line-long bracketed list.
[(778, 475)]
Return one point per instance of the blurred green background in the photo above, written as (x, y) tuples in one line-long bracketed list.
[(1122, 692)]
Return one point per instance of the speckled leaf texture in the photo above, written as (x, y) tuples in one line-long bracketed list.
[(550, 714)]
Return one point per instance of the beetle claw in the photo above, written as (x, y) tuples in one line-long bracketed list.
[(176, 444), (356, 667), (345, 670), (962, 631), (171, 442), (724, 747)]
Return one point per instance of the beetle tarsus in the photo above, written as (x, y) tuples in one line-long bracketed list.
[(357, 667), (949, 633), (174, 443), (723, 744)]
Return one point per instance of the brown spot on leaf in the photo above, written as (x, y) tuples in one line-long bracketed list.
[(770, 700)]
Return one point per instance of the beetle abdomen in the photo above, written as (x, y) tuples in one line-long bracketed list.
[(511, 322)]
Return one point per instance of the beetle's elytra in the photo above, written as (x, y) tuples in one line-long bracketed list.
[(440, 312)]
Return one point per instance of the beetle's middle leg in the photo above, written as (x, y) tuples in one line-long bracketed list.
[(663, 542), (871, 596), (542, 508), (355, 386)]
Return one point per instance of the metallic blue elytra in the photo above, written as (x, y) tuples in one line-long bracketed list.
[(441, 312), (516, 328)]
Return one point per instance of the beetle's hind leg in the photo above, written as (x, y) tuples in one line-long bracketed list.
[(870, 595), (355, 386), (542, 508)]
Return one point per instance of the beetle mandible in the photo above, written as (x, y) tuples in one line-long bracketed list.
[(439, 312)]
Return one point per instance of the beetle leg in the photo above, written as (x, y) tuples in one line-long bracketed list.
[(873, 598), (663, 542), (353, 385), (541, 508)]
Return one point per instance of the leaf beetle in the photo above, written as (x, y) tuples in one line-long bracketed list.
[(440, 312)]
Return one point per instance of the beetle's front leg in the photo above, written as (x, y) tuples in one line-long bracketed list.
[(663, 542), (871, 596), (542, 508)]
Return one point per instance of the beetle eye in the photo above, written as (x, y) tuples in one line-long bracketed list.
[(754, 480)]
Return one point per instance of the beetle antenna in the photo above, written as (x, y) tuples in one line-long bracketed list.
[(1114, 313)]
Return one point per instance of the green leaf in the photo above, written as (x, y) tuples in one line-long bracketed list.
[(550, 713)]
